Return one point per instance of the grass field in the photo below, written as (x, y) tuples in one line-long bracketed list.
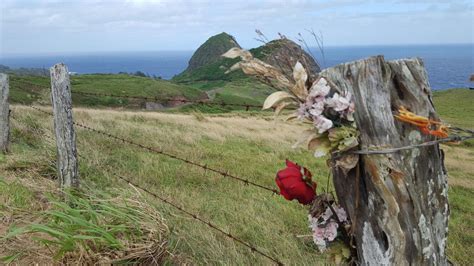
[(28, 89), (249, 145)]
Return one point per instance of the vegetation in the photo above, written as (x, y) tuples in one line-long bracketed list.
[(93, 228), (28, 89), (23, 71), (250, 145), (211, 50), (215, 71)]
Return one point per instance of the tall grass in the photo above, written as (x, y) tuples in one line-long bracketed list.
[(99, 228), (250, 145)]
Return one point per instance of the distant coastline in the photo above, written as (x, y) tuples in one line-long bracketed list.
[(448, 66)]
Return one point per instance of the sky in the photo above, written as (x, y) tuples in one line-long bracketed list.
[(73, 26)]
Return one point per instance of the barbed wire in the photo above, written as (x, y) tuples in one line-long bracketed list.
[(196, 217), (181, 209), (168, 99), (337, 155), (27, 82), (159, 151)]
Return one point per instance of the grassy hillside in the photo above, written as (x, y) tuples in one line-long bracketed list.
[(456, 106), (214, 71), (30, 89), (211, 50), (27, 89), (250, 146)]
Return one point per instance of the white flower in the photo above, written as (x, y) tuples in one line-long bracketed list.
[(325, 227), (330, 231), (319, 239), (327, 214), (341, 214), (319, 88), (322, 123), (338, 103), (313, 222), (303, 111), (317, 108)]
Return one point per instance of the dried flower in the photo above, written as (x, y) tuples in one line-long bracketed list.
[(330, 231), (322, 123), (320, 88), (325, 226), (317, 108), (423, 123)]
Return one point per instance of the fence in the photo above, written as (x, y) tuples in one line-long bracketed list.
[(67, 170), (64, 131), (157, 99)]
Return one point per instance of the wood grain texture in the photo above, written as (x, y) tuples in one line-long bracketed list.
[(4, 113), (63, 126), (398, 202)]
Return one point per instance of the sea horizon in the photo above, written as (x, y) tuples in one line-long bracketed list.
[(446, 67)]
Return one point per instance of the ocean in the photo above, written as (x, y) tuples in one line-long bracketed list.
[(448, 66)]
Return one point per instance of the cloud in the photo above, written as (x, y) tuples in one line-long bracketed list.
[(178, 24)]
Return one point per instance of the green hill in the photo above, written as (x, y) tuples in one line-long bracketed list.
[(28, 89), (210, 51), (272, 53), (236, 87)]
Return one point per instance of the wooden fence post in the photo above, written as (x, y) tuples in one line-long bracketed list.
[(397, 202), (4, 114), (63, 127)]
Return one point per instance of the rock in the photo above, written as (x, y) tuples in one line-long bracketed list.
[(211, 51), (207, 62), (283, 54), (153, 106)]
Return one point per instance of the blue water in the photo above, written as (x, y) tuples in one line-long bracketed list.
[(448, 66)]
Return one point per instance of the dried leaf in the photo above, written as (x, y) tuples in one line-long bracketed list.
[(319, 204), (307, 135), (276, 98), (234, 67), (291, 117), (320, 144), (347, 162), (282, 105), (346, 253), (300, 76), (257, 67), (236, 52), (343, 138)]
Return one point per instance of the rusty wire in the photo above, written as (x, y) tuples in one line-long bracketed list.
[(167, 99), (209, 224), (159, 151), (337, 155), (181, 209)]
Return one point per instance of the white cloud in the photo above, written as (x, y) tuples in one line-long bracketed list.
[(179, 24)]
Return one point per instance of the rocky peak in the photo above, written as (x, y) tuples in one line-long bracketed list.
[(211, 51), (283, 54)]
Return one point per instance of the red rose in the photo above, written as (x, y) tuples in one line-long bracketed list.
[(295, 183)]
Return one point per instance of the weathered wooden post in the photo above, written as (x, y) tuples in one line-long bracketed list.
[(398, 201), (4, 113), (63, 126)]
